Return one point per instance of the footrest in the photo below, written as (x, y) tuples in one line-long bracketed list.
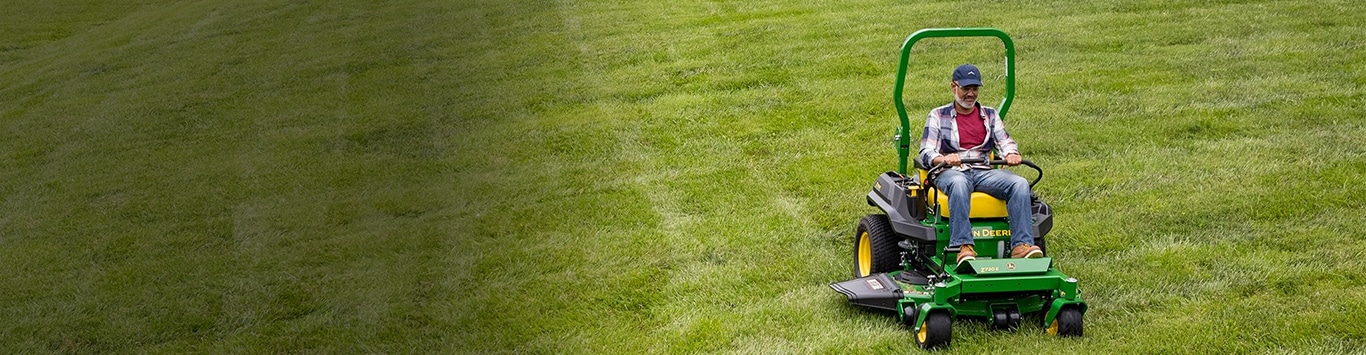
[(1004, 267)]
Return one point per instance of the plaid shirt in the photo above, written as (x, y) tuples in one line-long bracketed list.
[(941, 137)]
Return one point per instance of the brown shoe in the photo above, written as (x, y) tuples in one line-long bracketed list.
[(966, 253), (1026, 251)]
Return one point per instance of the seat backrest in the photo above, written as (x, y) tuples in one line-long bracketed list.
[(982, 204)]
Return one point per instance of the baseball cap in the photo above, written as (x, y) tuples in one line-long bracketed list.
[(967, 74)]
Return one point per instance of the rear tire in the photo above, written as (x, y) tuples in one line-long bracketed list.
[(1067, 323), (936, 332), (875, 246)]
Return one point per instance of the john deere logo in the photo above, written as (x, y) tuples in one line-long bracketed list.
[(987, 232), (1010, 266)]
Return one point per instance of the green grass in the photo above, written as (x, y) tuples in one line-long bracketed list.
[(652, 177)]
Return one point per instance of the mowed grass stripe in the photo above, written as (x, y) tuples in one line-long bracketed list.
[(218, 187)]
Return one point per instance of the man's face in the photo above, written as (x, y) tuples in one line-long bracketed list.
[(966, 94)]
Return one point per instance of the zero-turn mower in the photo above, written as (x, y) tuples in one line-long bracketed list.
[(903, 262)]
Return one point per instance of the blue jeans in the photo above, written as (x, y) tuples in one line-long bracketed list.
[(1001, 184)]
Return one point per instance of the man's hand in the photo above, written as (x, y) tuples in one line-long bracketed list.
[(1013, 159), (950, 159)]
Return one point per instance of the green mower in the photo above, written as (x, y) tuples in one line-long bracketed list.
[(903, 262)]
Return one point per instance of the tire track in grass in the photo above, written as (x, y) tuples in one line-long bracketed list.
[(730, 225), (600, 253), (642, 258), (697, 310), (744, 240), (516, 251)]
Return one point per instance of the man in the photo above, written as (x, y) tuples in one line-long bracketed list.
[(964, 129)]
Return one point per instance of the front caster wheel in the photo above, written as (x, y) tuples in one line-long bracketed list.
[(936, 332), (1067, 323)]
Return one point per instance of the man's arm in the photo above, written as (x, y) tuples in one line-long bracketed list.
[(1004, 145), (929, 141)]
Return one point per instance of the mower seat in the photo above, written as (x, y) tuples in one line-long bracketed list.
[(983, 205)]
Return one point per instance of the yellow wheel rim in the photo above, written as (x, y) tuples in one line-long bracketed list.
[(924, 333), (865, 255), (1053, 328)]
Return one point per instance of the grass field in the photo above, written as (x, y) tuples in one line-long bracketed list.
[(653, 177)]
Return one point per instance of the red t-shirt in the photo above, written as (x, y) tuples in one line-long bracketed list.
[(971, 131)]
